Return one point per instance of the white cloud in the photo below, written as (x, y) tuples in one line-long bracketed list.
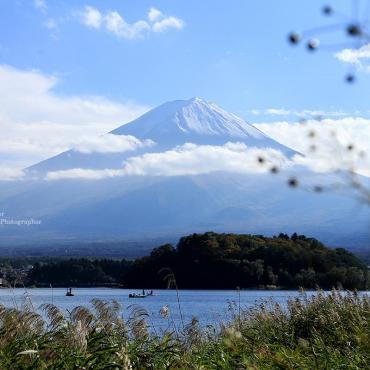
[(187, 159), (191, 159), (40, 4), (325, 143), (91, 17), (80, 173), (10, 174), (278, 112), (297, 113), (154, 14), (36, 123), (355, 57), (110, 143), (51, 24), (166, 23), (115, 23)]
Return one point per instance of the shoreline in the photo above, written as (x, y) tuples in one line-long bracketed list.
[(182, 289)]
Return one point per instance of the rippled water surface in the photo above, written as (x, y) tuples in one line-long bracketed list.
[(208, 306)]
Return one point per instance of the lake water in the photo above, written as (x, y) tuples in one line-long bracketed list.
[(208, 306)]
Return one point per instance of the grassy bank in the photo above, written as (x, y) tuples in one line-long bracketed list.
[(320, 332)]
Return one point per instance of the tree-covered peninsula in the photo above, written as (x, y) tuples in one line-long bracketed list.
[(215, 261)]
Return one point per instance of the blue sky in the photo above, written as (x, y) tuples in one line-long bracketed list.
[(75, 68), (232, 52)]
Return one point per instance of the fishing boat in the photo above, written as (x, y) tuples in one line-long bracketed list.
[(141, 295), (69, 292)]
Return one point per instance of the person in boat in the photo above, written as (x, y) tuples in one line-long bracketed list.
[(142, 295)]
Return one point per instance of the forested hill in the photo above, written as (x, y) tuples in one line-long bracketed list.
[(224, 261), (217, 261)]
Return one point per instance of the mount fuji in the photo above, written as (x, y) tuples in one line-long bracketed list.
[(185, 166), (167, 126)]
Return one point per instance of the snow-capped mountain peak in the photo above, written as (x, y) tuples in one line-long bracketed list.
[(190, 119), (169, 125)]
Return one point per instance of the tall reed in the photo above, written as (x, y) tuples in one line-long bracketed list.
[(324, 331)]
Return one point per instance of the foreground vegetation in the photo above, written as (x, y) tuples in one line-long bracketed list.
[(320, 332), (215, 261)]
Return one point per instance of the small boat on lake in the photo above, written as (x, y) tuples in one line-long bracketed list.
[(142, 295), (69, 292)]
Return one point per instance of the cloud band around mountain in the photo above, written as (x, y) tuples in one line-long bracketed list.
[(110, 143), (187, 159)]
